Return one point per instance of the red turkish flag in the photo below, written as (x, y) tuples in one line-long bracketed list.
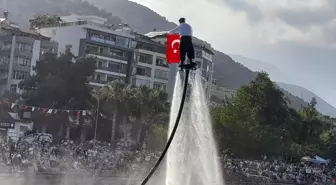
[(173, 48)]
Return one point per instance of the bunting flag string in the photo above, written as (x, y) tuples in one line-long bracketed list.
[(54, 111), (46, 110)]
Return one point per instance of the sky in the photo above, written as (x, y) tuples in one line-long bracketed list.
[(296, 36)]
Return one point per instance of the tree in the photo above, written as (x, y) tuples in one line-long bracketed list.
[(60, 83), (44, 19), (254, 121), (312, 125), (116, 95), (157, 136), (149, 106), (265, 102)]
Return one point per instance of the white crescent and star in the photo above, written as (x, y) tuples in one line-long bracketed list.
[(173, 43)]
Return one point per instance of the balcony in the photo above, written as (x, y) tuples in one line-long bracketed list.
[(22, 67), (161, 63), (112, 69), (105, 54), (111, 42), (104, 41), (106, 81), (98, 81), (143, 72)]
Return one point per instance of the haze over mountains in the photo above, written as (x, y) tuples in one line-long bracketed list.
[(280, 77), (228, 73)]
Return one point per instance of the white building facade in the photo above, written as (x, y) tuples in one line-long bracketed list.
[(150, 65), (121, 53), (19, 51), (89, 36)]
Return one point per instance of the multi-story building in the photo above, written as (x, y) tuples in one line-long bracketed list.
[(121, 53), (19, 51), (203, 58), (89, 35), (150, 65)]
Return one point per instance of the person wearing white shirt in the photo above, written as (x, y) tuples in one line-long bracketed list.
[(186, 45)]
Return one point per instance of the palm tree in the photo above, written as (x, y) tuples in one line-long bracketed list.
[(149, 106), (97, 95), (115, 93)]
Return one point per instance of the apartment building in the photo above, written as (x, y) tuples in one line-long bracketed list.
[(90, 36), (150, 66), (19, 51), (203, 58), (121, 53)]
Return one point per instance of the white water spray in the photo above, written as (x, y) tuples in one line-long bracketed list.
[(192, 158)]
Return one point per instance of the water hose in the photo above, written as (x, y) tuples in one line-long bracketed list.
[(171, 137)]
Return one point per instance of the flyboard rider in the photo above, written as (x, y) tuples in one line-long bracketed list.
[(186, 45)]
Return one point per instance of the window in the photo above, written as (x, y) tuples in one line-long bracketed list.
[(133, 44), (122, 41), (143, 71), (7, 45), (4, 60), (116, 53), (208, 55), (160, 86), (101, 50), (23, 47), (20, 75), (112, 78), (100, 64), (140, 82), (91, 49), (146, 46), (161, 74), (98, 77), (198, 54), (161, 62), (214, 82), (23, 61), (3, 74), (147, 59), (110, 38), (117, 67), (13, 88)]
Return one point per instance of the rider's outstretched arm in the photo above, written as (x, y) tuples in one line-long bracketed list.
[(175, 30)]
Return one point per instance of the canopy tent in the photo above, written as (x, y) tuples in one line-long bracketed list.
[(316, 160)]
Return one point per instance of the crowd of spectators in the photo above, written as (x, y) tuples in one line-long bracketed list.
[(96, 157), (100, 157), (304, 173)]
